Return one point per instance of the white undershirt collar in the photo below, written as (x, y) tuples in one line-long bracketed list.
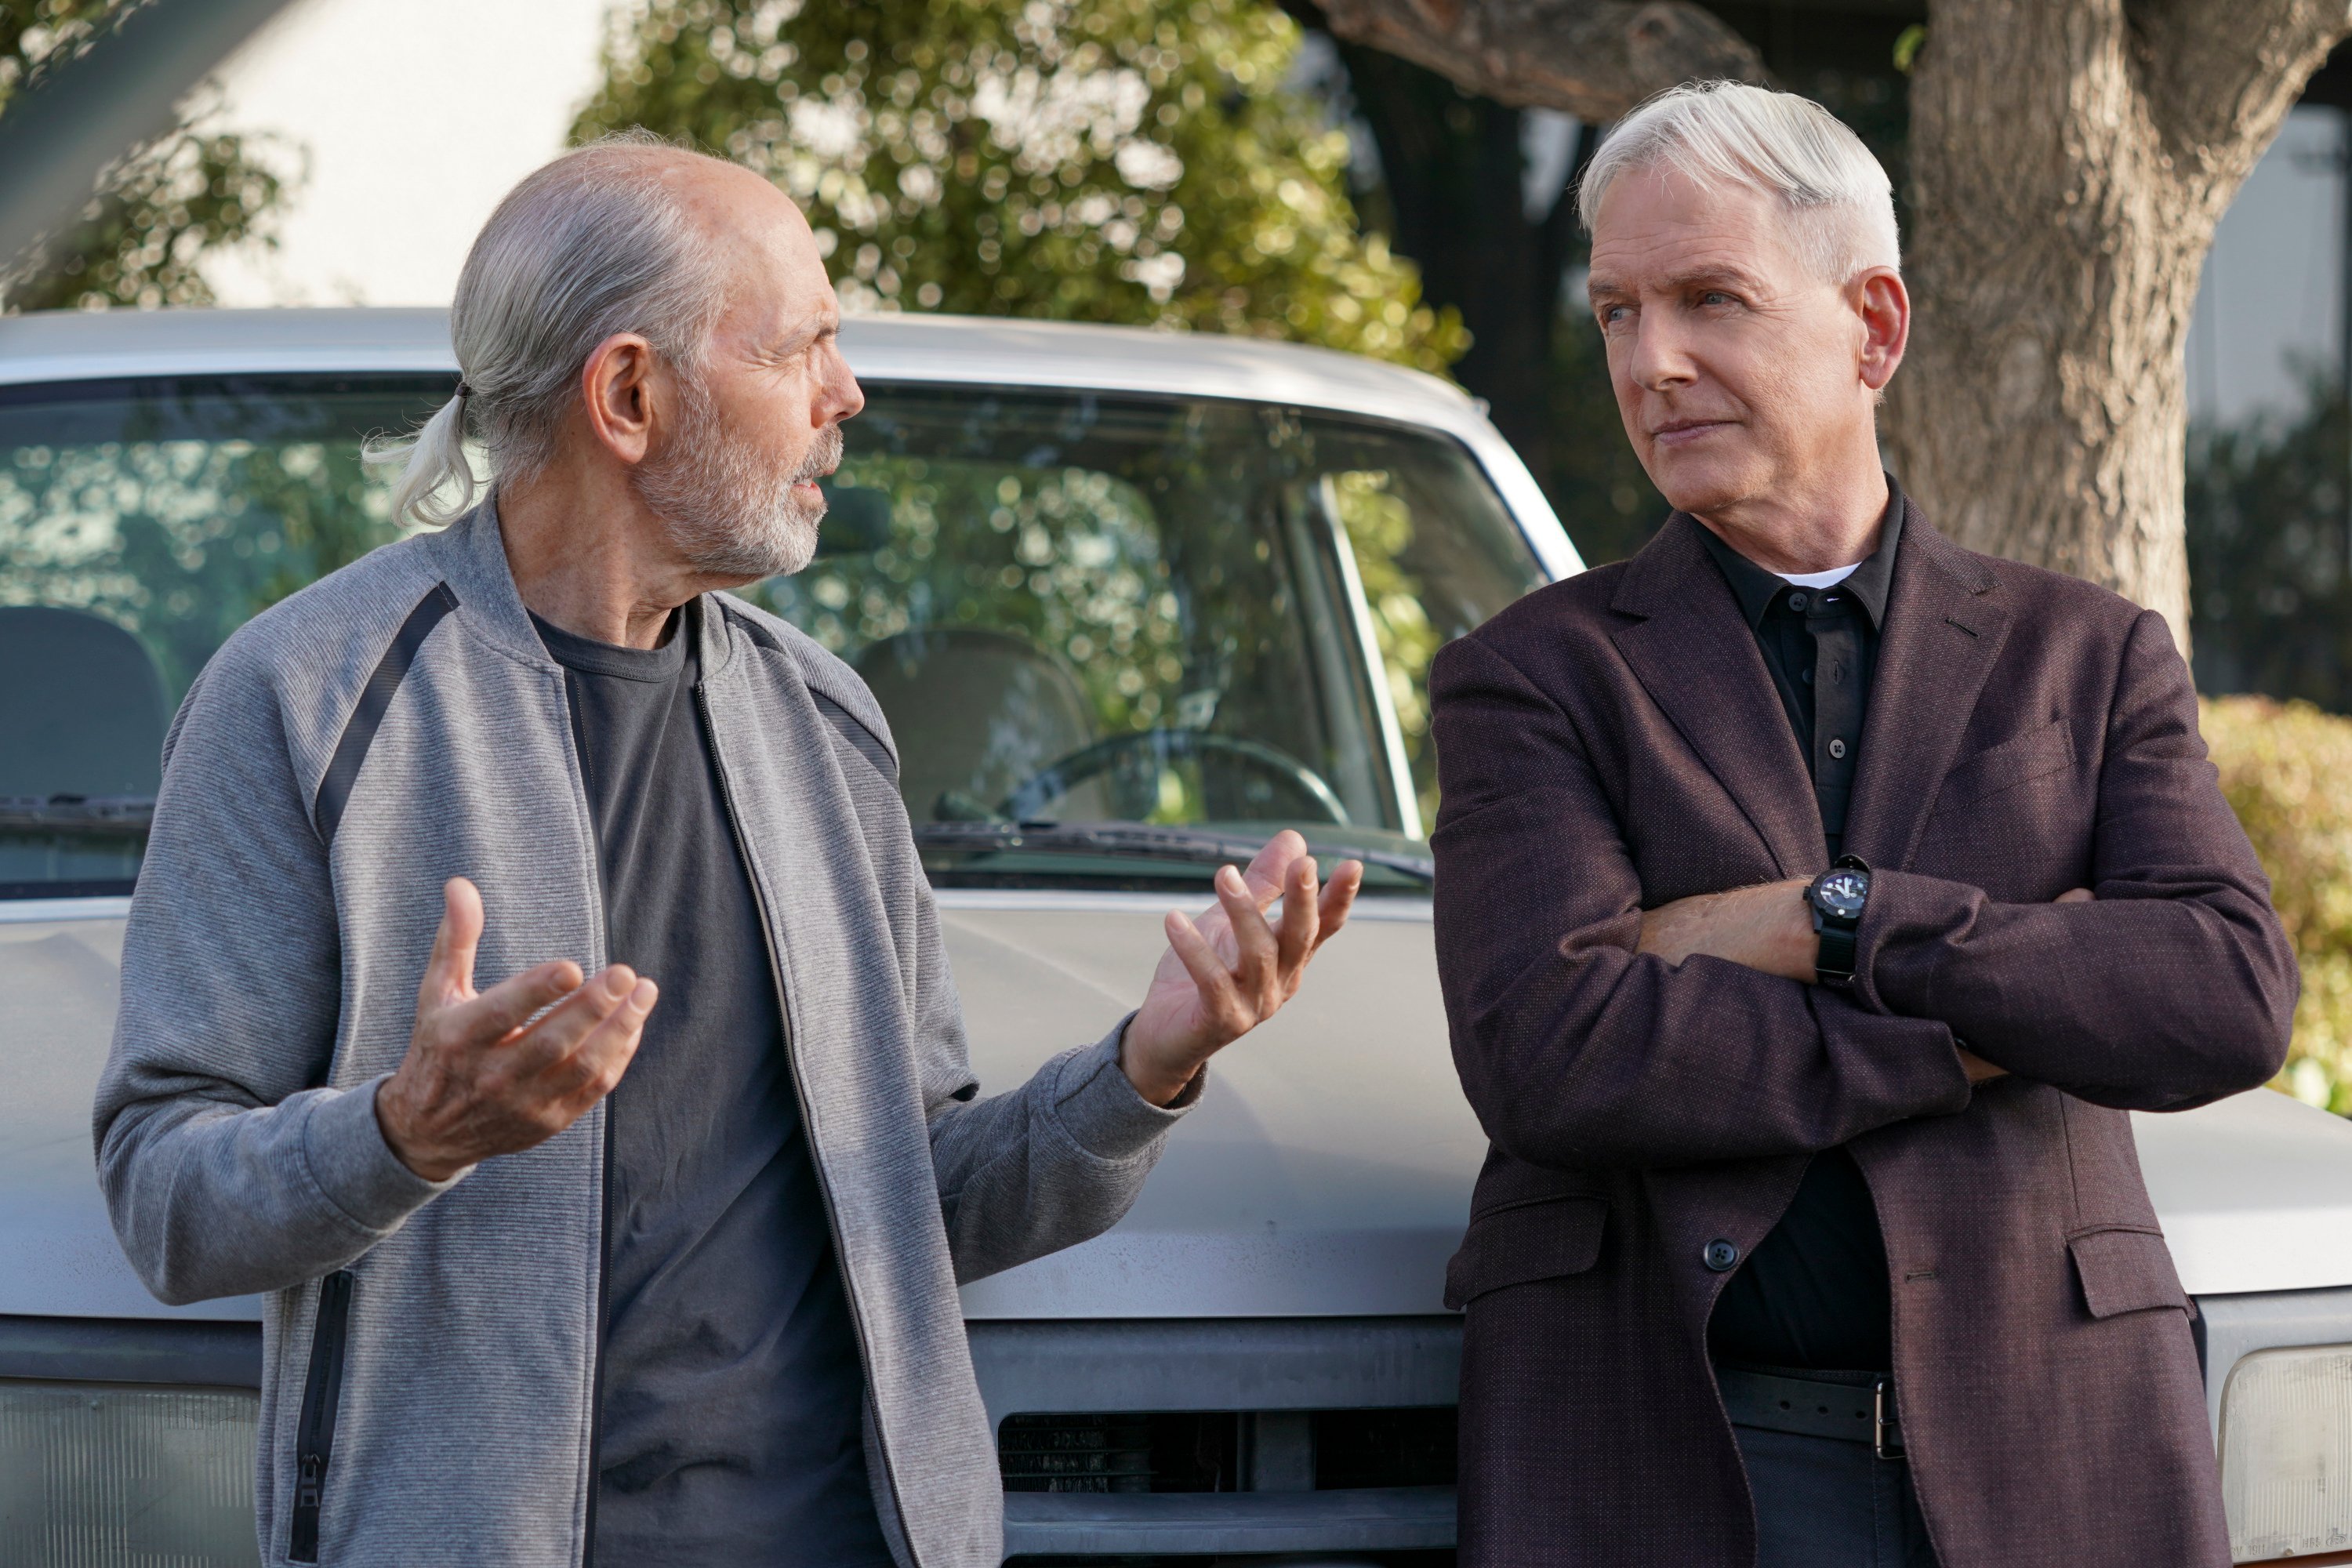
[(1830, 579)]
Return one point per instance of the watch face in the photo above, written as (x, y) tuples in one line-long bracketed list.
[(1843, 892)]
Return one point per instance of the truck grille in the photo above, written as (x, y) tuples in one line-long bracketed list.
[(1179, 1452), (1190, 1451)]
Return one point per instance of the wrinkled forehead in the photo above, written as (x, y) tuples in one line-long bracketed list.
[(770, 273), (1658, 226)]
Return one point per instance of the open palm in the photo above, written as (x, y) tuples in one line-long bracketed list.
[(1231, 969)]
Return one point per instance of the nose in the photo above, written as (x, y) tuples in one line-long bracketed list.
[(844, 398), (1661, 360)]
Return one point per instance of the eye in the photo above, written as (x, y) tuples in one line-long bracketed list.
[(1612, 314), (1716, 297)]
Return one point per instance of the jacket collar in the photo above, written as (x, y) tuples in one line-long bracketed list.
[(1693, 651), (1869, 585), (471, 554)]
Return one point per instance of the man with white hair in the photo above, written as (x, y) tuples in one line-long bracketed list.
[(631, 1233), (1814, 898)]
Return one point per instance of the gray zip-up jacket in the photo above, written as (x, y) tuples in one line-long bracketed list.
[(429, 1349)]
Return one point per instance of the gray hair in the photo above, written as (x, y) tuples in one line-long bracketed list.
[(593, 244), (1839, 202)]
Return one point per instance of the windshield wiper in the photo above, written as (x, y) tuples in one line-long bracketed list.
[(1189, 846), (78, 815)]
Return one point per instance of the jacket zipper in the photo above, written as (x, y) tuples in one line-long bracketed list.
[(800, 1088), (314, 1433), (604, 1205)]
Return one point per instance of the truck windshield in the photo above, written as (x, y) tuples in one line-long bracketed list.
[(1086, 613)]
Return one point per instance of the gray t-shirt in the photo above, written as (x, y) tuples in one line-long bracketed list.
[(728, 1428)]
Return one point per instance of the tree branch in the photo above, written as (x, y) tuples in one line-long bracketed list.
[(2220, 75), (1594, 59)]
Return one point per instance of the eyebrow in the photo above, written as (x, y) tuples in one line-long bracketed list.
[(814, 330), (1598, 287)]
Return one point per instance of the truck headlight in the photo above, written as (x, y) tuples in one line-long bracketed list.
[(110, 1474), (2286, 1452)]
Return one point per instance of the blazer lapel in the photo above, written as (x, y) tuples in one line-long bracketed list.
[(1699, 662), (1944, 627)]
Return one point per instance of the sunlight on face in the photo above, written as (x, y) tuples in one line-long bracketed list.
[(1738, 368), (737, 479)]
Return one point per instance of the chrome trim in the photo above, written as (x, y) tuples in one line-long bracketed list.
[(25, 912), (1404, 910), (1394, 1519)]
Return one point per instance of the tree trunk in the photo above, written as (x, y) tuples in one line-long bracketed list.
[(2069, 163), (1453, 171)]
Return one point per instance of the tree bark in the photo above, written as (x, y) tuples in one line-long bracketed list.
[(1595, 59), (2069, 163)]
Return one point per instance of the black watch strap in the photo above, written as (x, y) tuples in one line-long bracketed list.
[(1835, 963)]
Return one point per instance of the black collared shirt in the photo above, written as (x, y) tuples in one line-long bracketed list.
[(1814, 1292)]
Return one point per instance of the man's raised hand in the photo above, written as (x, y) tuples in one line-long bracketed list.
[(1231, 970), (485, 1074)]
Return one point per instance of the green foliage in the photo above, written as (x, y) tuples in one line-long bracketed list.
[(156, 211), (1119, 160), (2286, 769)]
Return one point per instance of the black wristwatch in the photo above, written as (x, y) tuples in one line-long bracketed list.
[(1837, 897)]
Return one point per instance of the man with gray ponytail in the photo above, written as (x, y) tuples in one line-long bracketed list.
[(534, 991)]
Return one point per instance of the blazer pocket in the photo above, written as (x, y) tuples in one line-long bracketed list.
[(2019, 760), (2126, 1270), (1545, 1238)]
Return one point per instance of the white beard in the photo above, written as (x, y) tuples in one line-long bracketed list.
[(726, 508)]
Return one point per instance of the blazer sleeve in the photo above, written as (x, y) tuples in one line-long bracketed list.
[(1575, 1049), (2175, 987)]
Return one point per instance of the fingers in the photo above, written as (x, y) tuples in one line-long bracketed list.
[(570, 1022), (1220, 1003), (586, 1075), (1300, 920), (511, 1003), (1269, 871), (1338, 898), (449, 972), (1255, 974), (2075, 896)]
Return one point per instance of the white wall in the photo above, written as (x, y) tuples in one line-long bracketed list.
[(2273, 291), (418, 116)]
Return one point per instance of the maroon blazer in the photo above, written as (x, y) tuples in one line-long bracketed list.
[(1613, 742)]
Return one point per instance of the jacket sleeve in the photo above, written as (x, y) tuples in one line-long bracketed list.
[(2175, 987), (224, 1170), (1049, 1165), (1574, 1049)]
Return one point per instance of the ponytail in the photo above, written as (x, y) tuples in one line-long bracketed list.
[(431, 458)]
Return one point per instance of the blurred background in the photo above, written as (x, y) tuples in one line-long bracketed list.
[(1230, 165)]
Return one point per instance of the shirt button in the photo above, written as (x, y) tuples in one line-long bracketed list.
[(1721, 1255), (1797, 600), (1837, 747)]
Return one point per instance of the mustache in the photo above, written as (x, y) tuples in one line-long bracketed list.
[(822, 459)]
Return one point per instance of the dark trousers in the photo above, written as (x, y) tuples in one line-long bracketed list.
[(1824, 1503)]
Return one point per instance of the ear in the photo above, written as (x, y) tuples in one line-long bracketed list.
[(625, 390), (1883, 306)]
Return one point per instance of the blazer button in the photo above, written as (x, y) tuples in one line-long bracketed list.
[(1721, 1255)]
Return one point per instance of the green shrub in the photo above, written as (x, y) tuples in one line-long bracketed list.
[(2286, 768)]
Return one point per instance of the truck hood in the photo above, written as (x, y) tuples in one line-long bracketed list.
[(1326, 1172)]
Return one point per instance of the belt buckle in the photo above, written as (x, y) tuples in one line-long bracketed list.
[(1886, 1430)]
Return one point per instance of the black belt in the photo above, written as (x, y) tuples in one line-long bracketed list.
[(1853, 1407)]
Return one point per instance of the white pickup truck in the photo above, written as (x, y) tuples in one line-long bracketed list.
[(1131, 600)]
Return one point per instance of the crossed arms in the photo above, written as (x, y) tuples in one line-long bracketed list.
[(1589, 1033)]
